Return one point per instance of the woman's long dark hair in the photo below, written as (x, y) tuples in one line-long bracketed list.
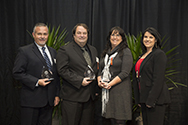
[(123, 44), (157, 36)]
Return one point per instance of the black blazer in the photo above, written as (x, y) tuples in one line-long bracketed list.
[(27, 69), (71, 66), (153, 89)]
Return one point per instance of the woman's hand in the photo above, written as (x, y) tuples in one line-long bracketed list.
[(105, 85)]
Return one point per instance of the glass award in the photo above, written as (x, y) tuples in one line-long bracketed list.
[(106, 76), (46, 74), (89, 73)]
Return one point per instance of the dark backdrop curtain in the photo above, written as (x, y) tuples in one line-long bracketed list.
[(169, 17)]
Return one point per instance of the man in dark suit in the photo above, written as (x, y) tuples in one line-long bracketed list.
[(38, 95), (78, 92)]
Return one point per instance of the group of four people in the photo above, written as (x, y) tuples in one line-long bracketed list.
[(39, 95)]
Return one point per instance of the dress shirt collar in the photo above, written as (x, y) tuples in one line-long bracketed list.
[(40, 47)]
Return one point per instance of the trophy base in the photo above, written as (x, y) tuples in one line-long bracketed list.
[(105, 81), (50, 79), (90, 79)]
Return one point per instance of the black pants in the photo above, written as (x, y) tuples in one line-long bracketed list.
[(36, 116), (153, 116), (78, 113)]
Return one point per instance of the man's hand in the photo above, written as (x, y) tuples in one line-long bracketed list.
[(56, 101), (42, 82), (148, 106), (86, 82)]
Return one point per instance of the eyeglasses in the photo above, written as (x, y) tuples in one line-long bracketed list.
[(117, 35)]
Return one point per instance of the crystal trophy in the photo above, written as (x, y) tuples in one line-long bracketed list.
[(46, 74), (106, 75), (89, 73)]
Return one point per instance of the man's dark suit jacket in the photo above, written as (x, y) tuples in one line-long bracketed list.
[(71, 66), (27, 69), (153, 89)]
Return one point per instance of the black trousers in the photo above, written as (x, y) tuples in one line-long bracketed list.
[(36, 116), (78, 113), (153, 116)]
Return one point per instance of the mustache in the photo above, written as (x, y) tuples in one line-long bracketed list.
[(42, 39)]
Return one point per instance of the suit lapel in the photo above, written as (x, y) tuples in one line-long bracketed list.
[(78, 51), (145, 60), (38, 54)]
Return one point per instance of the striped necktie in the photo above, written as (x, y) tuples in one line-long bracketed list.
[(47, 59)]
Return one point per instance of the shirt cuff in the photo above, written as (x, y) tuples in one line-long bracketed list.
[(37, 84)]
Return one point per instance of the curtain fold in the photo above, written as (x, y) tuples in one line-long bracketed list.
[(19, 16)]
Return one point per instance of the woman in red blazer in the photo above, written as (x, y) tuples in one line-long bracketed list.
[(150, 91)]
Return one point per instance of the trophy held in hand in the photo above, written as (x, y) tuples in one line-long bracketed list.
[(89, 73), (46, 73)]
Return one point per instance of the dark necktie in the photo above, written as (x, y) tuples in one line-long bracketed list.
[(86, 56), (47, 59)]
